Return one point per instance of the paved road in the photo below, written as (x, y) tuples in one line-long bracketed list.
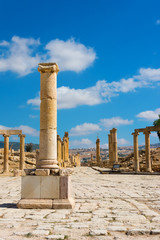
[(107, 207)]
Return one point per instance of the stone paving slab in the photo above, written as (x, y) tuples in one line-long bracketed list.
[(107, 207)]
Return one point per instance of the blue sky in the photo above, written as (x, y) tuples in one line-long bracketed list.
[(108, 53)]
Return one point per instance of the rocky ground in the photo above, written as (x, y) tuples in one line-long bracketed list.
[(128, 161), (30, 161), (107, 207)]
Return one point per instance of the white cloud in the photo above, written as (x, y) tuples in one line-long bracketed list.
[(33, 116), (18, 55), (149, 115), (102, 91), (25, 129), (84, 129), (158, 22), (4, 43), (70, 55), (85, 142), (114, 122), (149, 74), (154, 134), (104, 146), (122, 141), (13, 138)]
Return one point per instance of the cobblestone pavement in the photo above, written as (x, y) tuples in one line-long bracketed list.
[(107, 207)]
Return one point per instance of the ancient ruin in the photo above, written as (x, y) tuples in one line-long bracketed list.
[(6, 134), (146, 131), (48, 187)]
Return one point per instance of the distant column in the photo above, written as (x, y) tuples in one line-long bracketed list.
[(22, 157), (59, 150), (147, 151), (98, 157), (110, 149), (114, 142), (67, 146), (6, 151), (136, 152), (62, 151), (48, 116)]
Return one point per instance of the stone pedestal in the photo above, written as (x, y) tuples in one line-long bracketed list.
[(46, 192), (6, 152)]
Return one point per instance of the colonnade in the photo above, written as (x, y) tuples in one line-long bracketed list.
[(146, 131), (6, 134), (63, 150)]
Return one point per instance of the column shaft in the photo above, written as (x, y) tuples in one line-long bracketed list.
[(114, 142), (48, 116), (6, 152), (147, 151), (59, 151), (98, 158), (136, 152), (22, 157)]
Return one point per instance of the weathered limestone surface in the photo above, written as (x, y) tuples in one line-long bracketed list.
[(136, 153), (6, 152), (114, 142), (107, 207), (59, 150), (48, 116), (98, 157), (10, 132), (22, 157), (147, 151)]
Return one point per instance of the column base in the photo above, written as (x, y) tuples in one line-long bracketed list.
[(46, 203), (46, 192), (148, 170)]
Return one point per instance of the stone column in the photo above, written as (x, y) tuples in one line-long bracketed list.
[(114, 142), (48, 116), (67, 145), (147, 151), (136, 152), (91, 157), (65, 151), (98, 157), (62, 152), (22, 157), (110, 148), (6, 152), (59, 151)]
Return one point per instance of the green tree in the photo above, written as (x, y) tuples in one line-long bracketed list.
[(157, 123), (29, 147)]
